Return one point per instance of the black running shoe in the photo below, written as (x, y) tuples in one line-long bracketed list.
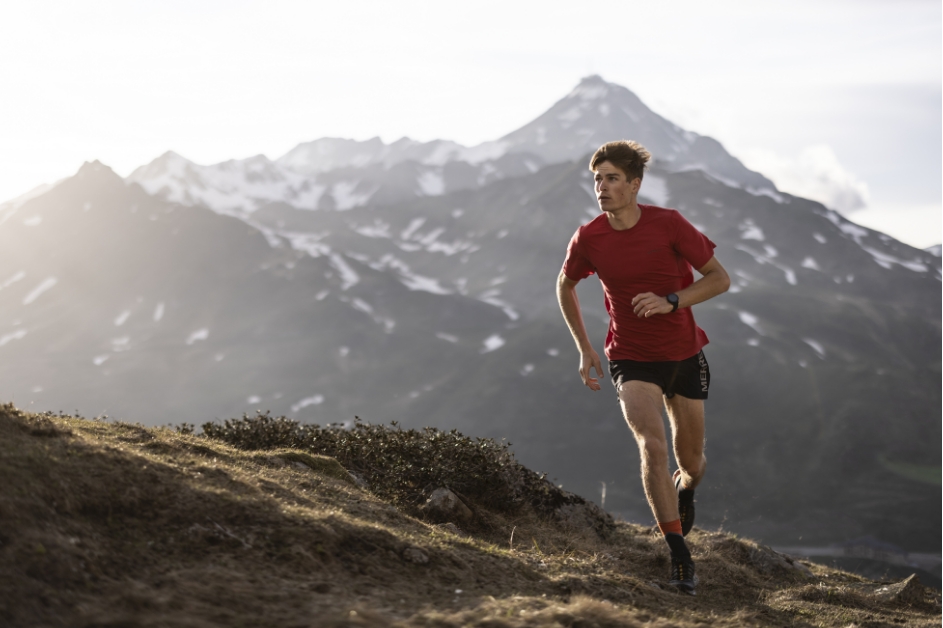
[(685, 506), (682, 574)]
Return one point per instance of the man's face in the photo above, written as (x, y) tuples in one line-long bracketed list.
[(613, 189)]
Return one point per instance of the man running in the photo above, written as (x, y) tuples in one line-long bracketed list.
[(643, 255)]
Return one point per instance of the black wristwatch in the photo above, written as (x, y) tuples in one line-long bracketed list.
[(673, 300)]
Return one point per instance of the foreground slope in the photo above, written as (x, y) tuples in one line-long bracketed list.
[(116, 524)]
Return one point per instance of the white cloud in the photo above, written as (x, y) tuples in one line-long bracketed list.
[(919, 226), (815, 173)]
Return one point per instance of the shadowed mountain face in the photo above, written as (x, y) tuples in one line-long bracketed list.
[(439, 310)]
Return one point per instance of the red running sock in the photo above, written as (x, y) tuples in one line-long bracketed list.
[(670, 527)]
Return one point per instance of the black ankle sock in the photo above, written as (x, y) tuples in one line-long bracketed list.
[(679, 549)]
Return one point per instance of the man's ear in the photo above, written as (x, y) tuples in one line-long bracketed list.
[(636, 184)]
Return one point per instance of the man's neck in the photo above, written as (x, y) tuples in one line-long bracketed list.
[(624, 217)]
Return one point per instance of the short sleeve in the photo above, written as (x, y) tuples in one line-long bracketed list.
[(691, 244), (577, 266)]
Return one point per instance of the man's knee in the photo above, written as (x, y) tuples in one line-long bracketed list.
[(690, 457), (654, 450), (693, 466)]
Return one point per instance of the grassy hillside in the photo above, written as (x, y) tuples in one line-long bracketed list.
[(112, 524)]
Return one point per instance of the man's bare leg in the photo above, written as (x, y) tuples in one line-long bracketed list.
[(641, 405), (687, 429), (686, 417)]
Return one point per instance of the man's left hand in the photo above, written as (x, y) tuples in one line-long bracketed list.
[(648, 304)]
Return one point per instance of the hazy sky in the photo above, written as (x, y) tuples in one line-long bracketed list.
[(825, 98)]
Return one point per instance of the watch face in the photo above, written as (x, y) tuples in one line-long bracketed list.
[(672, 298)]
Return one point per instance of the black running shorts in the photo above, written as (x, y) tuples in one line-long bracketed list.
[(689, 378)]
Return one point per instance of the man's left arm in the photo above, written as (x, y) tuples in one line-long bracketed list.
[(714, 281)]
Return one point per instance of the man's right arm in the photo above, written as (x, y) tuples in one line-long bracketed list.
[(570, 306)]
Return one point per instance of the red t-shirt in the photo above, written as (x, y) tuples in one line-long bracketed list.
[(656, 255)]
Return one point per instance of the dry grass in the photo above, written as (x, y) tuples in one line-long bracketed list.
[(110, 524)]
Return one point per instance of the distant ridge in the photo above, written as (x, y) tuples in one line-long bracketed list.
[(337, 173)]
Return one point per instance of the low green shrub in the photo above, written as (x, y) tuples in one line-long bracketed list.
[(405, 465)]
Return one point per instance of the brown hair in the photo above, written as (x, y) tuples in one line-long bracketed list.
[(628, 156)]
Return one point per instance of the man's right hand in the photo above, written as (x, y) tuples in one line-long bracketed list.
[(589, 360)]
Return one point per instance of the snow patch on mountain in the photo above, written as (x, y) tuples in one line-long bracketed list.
[(17, 276), (816, 346), (43, 286), (492, 343), (15, 335), (810, 263), (232, 187), (411, 280), (307, 242), (198, 335), (330, 153), (313, 400), (767, 258), (349, 194), (750, 231), (655, 189), (348, 275), (888, 261), (376, 229), (431, 183), (414, 224), (491, 298), (388, 324), (751, 321), (363, 306), (850, 229)]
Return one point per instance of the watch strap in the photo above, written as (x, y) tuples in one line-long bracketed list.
[(674, 301)]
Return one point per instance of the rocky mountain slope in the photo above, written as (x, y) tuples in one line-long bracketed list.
[(107, 523), (168, 304)]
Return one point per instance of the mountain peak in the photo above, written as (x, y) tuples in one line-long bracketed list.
[(591, 87), (597, 111), (92, 166), (97, 170)]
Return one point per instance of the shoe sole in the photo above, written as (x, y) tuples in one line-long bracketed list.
[(687, 589), (687, 522)]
